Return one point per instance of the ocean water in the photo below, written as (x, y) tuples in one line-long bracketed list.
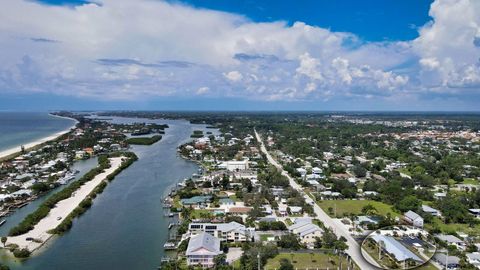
[(19, 128), (125, 228)]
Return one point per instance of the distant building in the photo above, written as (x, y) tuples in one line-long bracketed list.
[(395, 249), (197, 200), (431, 211), (475, 212), (413, 219), (80, 154), (365, 220), (474, 259), (226, 202), (234, 165), (306, 231), (450, 262), (202, 249), (452, 240), (230, 232)]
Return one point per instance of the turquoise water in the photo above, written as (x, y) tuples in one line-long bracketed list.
[(125, 228), (18, 128)]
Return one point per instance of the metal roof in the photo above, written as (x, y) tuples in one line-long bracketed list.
[(203, 244), (395, 248)]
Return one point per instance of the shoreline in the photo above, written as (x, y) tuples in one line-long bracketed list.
[(5, 154), (63, 209)]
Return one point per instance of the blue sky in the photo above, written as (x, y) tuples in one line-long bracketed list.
[(240, 55), (373, 20)]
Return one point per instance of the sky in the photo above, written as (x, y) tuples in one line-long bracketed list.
[(414, 55)]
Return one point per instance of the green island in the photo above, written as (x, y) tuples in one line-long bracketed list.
[(144, 140), (197, 134)]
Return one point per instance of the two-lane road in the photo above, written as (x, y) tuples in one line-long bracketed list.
[(353, 247)]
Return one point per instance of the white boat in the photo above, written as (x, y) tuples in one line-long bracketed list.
[(67, 178), (3, 222), (169, 245)]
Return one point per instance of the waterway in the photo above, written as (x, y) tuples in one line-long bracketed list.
[(125, 228)]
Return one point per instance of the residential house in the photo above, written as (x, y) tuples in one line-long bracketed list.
[(475, 212), (413, 219), (226, 202), (196, 201), (395, 249), (432, 211), (295, 210), (230, 232), (450, 262), (306, 231), (202, 249), (234, 165), (452, 240), (474, 259)]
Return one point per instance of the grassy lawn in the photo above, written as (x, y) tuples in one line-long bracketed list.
[(264, 237), (355, 207), (306, 260), (176, 202), (200, 213), (454, 227), (405, 171), (470, 181)]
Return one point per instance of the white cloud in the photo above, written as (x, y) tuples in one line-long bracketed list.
[(203, 90), (430, 63), (85, 50), (309, 67), (233, 76), (449, 55)]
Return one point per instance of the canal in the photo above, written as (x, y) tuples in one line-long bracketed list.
[(125, 228)]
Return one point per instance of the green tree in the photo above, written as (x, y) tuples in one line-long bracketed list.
[(285, 264), (4, 240), (410, 202), (289, 241), (359, 171), (369, 210)]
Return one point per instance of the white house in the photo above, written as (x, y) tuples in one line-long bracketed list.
[(432, 211), (302, 171), (475, 212), (474, 259), (295, 210), (202, 249), (413, 218), (452, 240), (317, 170), (80, 154), (230, 232), (306, 231), (234, 165)]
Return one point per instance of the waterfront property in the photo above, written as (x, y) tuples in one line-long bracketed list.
[(40, 233), (230, 232), (202, 249)]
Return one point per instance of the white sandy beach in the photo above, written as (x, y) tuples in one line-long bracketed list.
[(52, 137), (62, 209)]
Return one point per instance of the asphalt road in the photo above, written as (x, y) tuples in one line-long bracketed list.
[(353, 247)]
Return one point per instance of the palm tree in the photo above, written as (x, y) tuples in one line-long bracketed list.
[(4, 240)]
